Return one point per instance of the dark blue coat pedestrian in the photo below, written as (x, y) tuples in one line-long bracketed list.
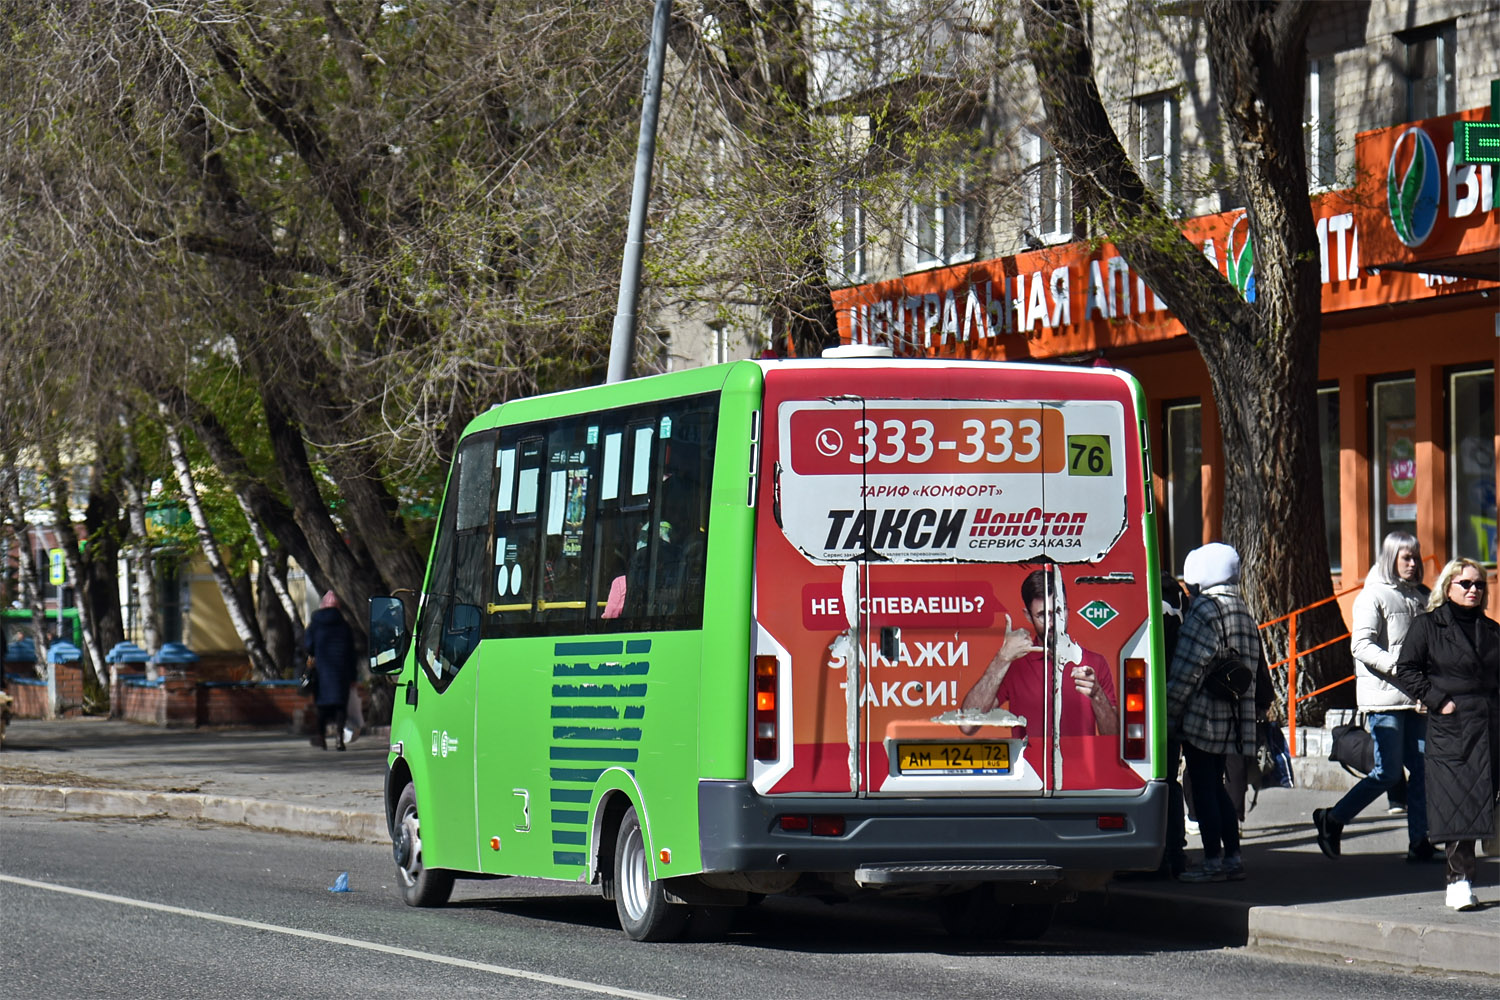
[(330, 646)]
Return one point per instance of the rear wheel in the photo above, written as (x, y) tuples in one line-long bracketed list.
[(645, 914), (420, 885)]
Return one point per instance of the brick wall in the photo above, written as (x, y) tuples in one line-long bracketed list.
[(29, 698), (30, 694), (179, 700), (247, 704), (182, 700)]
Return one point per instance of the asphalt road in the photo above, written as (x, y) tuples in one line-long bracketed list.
[(125, 908)]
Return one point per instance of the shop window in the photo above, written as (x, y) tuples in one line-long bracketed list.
[(1319, 125), (1430, 58), (1471, 433), (1393, 457), (1184, 481), (1328, 456), (1158, 141)]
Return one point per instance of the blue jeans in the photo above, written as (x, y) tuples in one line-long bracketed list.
[(1400, 741)]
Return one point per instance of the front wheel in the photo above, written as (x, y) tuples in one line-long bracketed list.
[(420, 885), (645, 914)]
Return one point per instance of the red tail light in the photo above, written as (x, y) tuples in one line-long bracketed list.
[(765, 708), (1135, 710), (828, 826)]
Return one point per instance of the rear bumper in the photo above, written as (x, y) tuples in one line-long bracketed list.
[(741, 832)]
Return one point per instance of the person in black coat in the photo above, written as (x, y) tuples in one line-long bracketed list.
[(330, 650), (1450, 662)]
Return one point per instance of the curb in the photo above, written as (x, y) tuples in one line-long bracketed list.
[(1291, 929), (282, 817), (1302, 933)]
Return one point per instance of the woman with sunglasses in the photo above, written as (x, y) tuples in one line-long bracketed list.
[(1450, 662)]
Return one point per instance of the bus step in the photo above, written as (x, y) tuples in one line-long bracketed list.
[(977, 871)]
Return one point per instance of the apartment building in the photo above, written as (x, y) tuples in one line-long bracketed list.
[(1009, 270)]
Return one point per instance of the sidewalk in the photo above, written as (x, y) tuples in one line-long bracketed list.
[(1368, 907)]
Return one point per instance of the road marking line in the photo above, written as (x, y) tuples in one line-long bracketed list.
[(462, 963)]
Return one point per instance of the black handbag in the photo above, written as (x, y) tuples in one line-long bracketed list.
[(310, 681), (1354, 748)]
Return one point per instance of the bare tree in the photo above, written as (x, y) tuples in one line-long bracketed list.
[(1262, 355)]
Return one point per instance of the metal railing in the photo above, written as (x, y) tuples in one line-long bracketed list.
[(1293, 654)]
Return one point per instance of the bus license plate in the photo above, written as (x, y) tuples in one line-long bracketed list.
[(962, 758)]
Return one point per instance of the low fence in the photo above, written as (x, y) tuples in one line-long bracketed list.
[(30, 698), (181, 699)]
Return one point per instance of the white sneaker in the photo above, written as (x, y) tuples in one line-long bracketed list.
[(1461, 896)]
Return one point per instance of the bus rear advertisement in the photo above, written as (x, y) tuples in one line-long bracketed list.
[(834, 627)]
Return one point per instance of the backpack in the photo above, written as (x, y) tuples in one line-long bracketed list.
[(1226, 676)]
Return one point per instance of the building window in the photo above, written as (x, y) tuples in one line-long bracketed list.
[(852, 234), (1393, 457), (1158, 146), (1049, 194), (1328, 456), (944, 224), (1471, 429), (1430, 56), (1184, 481), (1319, 125)]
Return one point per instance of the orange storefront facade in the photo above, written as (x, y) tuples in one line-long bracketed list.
[(1408, 357)]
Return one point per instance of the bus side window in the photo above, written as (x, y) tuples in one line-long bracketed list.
[(459, 557), (664, 584), (612, 534), (514, 561), (569, 520)]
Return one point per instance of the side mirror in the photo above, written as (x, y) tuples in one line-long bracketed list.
[(389, 639), (460, 634)]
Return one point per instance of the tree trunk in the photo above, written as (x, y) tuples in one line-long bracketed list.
[(277, 581), (268, 510), (356, 583), (240, 615), (281, 633), (68, 538), (141, 560), (1262, 356)]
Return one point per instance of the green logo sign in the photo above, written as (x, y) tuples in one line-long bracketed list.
[(1097, 613), (1413, 200), (1240, 263)]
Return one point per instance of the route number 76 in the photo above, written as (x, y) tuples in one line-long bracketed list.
[(1089, 455)]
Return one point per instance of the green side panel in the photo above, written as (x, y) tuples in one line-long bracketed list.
[(621, 705), (1153, 577), (537, 725), (727, 640)]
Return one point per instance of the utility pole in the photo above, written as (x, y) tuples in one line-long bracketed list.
[(622, 344)]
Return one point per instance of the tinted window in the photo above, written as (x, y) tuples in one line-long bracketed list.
[(601, 521)]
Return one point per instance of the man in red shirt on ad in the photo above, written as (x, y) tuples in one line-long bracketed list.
[(1017, 676)]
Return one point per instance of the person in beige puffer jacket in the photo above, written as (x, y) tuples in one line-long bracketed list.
[(1392, 597)]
